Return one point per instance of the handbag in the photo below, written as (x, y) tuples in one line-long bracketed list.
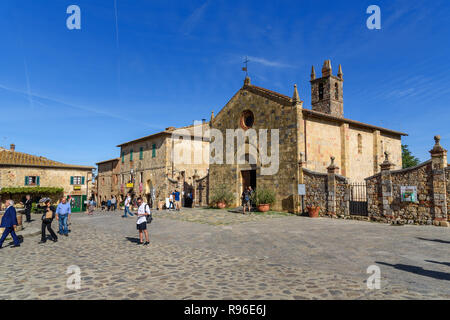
[(48, 217)]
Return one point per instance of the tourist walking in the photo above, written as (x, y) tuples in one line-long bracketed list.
[(63, 212), (114, 203), (127, 206), (171, 206), (141, 223), (251, 191), (246, 199), (176, 196), (47, 219), (91, 207), (9, 222), (108, 205), (28, 204)]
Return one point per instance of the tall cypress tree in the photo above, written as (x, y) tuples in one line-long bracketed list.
[(408, 159)]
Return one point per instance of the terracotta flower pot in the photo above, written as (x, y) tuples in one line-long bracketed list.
[(221, 205), (313, 212), (263, 207)]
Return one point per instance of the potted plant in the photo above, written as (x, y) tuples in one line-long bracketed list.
[(263, 198), (221, 197), (313, 210)]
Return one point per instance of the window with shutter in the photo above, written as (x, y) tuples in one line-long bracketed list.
[(141, 153), (71, 180), (153, 150), (38, 181), (82, 180), (26, 180)]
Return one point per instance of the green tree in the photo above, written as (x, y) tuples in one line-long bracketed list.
[(408, 159)]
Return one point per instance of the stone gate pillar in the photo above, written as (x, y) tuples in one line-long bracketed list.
[(439, 163), (386, 187), (331, 181), (298, 199)]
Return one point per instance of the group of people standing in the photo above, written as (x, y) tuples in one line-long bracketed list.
[(110, 204), (174, 201), (62, 214)]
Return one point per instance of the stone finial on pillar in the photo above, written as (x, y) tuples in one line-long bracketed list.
[(386, 165), (313, 73), (438, 154), (302, 162), (333, 168)]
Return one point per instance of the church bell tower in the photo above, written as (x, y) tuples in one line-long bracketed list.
[(326, 92)]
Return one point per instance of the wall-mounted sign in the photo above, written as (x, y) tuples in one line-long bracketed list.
[(76, 187), (130, 185), (301, 190), (408, 193)]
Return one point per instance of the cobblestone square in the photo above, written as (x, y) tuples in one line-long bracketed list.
[(216, 254)]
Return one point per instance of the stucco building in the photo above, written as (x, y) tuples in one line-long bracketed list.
[(19, 169), (308, 135)]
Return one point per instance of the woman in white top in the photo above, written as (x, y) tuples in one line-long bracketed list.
[(141, 223)]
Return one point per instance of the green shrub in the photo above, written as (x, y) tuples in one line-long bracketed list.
[(18, 193), (263, 196), (221, 194)]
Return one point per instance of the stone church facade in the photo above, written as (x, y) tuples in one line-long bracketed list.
[(310, 136)]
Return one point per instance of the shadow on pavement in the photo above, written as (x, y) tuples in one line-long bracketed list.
[(434, 240), (418, 270), (131, 239), (444, 263)]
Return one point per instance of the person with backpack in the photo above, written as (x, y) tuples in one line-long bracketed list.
[(144, 217), (246, 199)]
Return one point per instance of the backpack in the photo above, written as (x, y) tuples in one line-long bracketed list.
[(148, 218)]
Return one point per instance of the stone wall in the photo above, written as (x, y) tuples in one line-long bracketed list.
[(316, 190), (329, 191), (431, 179)]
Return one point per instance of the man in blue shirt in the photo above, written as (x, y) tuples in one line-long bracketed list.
[(176, 196), (63, 211), (9, 222)]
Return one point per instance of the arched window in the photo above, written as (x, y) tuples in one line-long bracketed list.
[(320, 91), (359, 143), (336, 91)]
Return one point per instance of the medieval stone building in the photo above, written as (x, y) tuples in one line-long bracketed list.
[(149, 167), (107, 180), (310, 136), (18, 169)]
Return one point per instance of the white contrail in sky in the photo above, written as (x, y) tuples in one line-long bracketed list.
[(27, 77), (83, 108), (118, 49)]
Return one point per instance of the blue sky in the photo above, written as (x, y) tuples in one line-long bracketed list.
[(73, 95)]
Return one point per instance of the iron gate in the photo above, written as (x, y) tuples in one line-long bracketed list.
[(358, 199)]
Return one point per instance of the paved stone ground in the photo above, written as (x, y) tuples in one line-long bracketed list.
[(226, 255)]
